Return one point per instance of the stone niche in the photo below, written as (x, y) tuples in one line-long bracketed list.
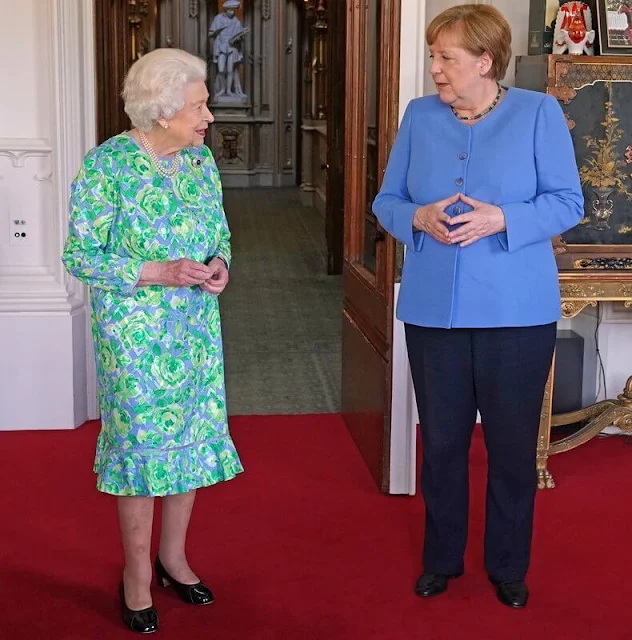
[(254, 137)]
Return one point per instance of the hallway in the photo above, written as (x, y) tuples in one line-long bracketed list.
[(281, 312)]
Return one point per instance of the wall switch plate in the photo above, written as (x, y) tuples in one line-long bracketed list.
[(18, 231)]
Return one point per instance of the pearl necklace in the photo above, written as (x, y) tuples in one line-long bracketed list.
[(484, 112), (167, 172)]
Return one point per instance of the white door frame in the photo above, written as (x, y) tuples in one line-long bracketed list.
[(403, 462)]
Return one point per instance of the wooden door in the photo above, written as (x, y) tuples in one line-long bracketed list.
[(334, 216), (372, 84), (124, 29)]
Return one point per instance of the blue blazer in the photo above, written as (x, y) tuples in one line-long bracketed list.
[(520, 158)]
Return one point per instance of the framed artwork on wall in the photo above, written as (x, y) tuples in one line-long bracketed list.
[(614, 24), (604, 154), (595, 93)]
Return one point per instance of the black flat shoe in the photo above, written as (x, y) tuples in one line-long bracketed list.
[(512, 594), (142, 621), (198, 594), (433, 584)]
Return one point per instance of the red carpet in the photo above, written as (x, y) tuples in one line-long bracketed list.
[(303, 547)]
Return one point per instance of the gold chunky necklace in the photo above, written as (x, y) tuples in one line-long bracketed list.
[(167, 172), (484, 112)]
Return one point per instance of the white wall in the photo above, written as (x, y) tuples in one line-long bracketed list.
[(23, 37), (46, 125)]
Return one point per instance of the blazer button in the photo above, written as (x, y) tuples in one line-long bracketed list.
[(459, 182), (462, 155), (457, 210)]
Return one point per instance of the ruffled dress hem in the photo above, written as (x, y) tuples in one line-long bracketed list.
[(164, 472)]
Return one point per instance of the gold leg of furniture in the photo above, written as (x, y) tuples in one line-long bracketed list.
[(545, 479), (572, 417), (601, 415)]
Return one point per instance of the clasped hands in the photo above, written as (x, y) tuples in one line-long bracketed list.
[(484, 220), (211, 277)]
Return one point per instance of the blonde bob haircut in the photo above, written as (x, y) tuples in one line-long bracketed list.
[(479, 28), (155, 84)]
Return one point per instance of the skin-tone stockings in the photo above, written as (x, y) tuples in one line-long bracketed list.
[(135, 520)]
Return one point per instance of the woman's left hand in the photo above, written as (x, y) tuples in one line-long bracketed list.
[(219, 278), (485, 220)]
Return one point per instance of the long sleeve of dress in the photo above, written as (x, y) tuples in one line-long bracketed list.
[(559, 203), (393, 205), (223, 249), (93, 208)]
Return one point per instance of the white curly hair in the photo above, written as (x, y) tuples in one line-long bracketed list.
[(154, 85)]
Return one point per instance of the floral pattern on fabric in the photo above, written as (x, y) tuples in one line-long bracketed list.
[(158, 349)]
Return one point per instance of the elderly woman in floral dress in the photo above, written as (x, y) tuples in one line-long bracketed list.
[(149, 235)]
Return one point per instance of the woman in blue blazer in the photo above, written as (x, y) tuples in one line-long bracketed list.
[(480, 179)]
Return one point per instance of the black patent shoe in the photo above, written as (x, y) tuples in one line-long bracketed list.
[(513, 594), (433, 584), (141, 621), (198, 593)]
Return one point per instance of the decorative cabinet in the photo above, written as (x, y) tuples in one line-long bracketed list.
[(595, 257), (596, 95)]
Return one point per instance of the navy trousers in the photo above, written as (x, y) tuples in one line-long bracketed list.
[(501, 372)]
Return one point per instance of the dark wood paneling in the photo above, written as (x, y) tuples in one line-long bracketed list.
[(113, 60), (388, 127), (334, 222), (355, 129), (363, 399), (367, 308), (124, 30), (368, 301)]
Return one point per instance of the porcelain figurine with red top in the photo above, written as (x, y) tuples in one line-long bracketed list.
[(573, 30)]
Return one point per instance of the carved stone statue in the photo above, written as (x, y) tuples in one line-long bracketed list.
[(227, 34), (573, 29)]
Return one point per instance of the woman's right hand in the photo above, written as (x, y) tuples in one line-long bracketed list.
[(430, 218), (175, 273)]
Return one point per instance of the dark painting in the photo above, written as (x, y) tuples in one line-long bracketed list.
[(599, 116)]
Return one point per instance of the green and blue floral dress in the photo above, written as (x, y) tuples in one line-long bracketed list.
[(158, 349)]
